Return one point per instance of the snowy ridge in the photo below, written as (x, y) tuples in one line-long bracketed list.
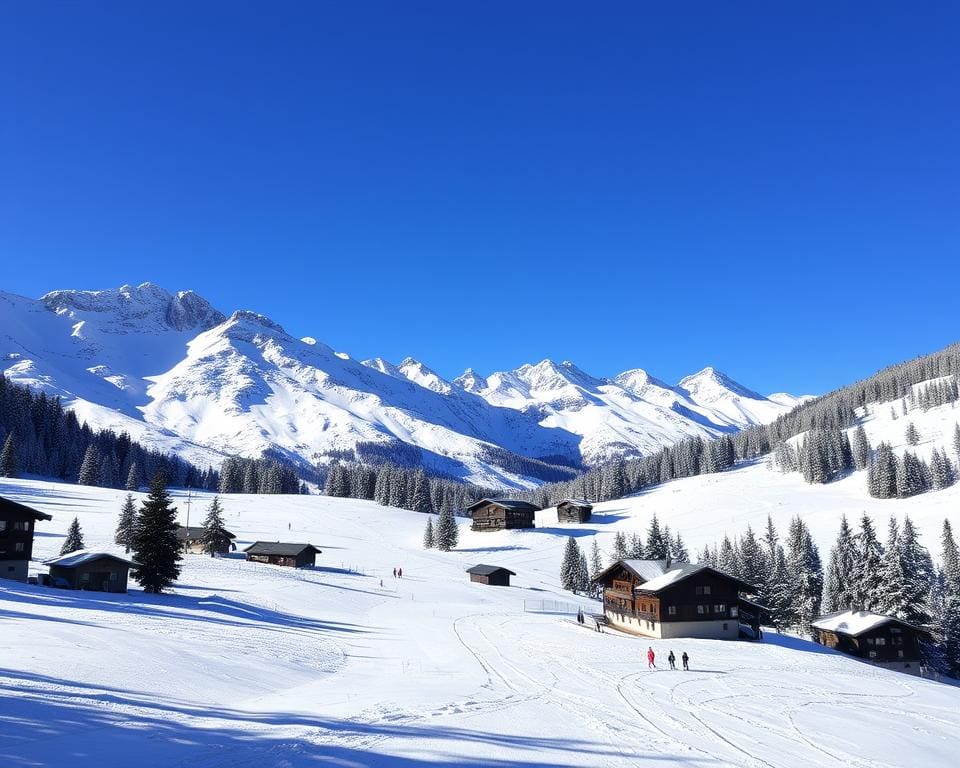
[(181, 376)]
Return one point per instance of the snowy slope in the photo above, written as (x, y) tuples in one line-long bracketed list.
[(179, 375), (250, 665)]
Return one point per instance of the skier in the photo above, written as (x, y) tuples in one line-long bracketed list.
[(685, 659), (394, 573), (673, 660), (651, 659), (399, 573)]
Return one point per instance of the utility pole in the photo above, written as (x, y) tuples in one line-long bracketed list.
[(186, 538)]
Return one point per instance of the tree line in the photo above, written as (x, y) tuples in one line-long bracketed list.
[(40, 437)]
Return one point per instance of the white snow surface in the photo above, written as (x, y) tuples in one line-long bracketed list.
[(180, 376), (245, 664)]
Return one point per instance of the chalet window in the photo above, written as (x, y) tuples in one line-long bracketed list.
[(702, 609), (114, 576), (900, 654), (869, 641), (896, 641), (881, 641), (18, 547), (734, 611), (719, 608), (21, 525), (672, 610), (873, 654), (703, 590), (895, 630), (3, 525)]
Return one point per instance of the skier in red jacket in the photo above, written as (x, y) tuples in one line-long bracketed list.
[(650, 659)]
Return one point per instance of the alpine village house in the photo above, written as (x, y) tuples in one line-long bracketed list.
[(665, 599), (499, 514), (16, 538), (880, 640)]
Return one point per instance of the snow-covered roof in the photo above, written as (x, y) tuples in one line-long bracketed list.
[(855, 623), (576, 502), (676, 573), (279, 548), (83, 556), (656, 575), (515, 504)]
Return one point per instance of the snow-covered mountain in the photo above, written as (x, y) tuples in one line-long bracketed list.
[(179, 375)]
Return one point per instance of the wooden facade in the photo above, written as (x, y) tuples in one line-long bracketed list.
[(657, 598), (191, 539), (500, 514), (92, 571), (16, 538), (574, 511), (279, 553), (492, 575), (881, 640)]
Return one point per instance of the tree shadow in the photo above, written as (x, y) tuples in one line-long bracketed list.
[(771, 637), (505, 548)]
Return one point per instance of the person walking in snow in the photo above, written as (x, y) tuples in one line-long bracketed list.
[(685, 659), (673, 660), (651, 659), (394, 573), (399, 573)]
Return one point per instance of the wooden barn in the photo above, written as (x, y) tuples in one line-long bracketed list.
[(574, 511), (499, 514), (665, 599), (191, 539), (872, 637), (93, 571), (16, 538), (492, 575), (279, 553)]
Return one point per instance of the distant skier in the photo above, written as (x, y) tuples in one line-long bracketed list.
[(399, 573), (673, 660), (651, 659), (394, 573), (599, 628), (685, 660)]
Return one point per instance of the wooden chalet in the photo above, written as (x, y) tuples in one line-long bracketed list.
[(89, 570), (16, 538), (499, 514), (872, 637), (574, 511), (665, 599), (279, 553), (191, 539), (492, 575)]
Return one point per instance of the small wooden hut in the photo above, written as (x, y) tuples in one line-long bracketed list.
[(500, 514), (280, 553), (491, 575), (90, 570), (574, 511)]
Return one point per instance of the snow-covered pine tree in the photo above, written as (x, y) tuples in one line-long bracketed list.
[(570, 565), (420, 498), (918, 573), (838, 586), (956, 440), (657, 548), (74, 540), (727, 558), (882, 473), (860, 448), (215, 536), (583, 575), (90, 467), (752, 563), (867, 583), (155, 545), (429, 541), (950, 559), (619, 547), (133, 478), (251, 483), (893, 579), (635, 549), (596, 562), (947, 616), (125, 524), (911, 434), (447, 533), (678, 550), (804, 574), (8, 458)]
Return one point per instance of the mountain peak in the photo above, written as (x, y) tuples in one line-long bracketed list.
[(420, 374), (471, 381), (710, 384)]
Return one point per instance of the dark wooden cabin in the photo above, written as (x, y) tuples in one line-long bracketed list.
[(872, 637), (191, 539), (278, 553), (499, 514), (93, 571), (574, 511), (492, 575), (664, 599), (16, 538)]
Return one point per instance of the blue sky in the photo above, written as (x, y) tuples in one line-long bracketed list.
[(773, 191)]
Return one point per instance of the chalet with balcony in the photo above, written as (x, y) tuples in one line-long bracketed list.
[(666, 599), (500, 514), (16, 538), (874, 638), (574, 511)]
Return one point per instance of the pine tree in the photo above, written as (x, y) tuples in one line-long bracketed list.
[(429, 541), (860, 448), (950, 560), (956, 440), (126, 523), (90, 468), (678, 550), (570, 566), (619, 547), (657, 545), (447, 533), (804, 575), (583, 575), (134, 481), (635, 549), (155, 545), (752, 565), (74, 540), (727, 558), (892, 576), (918, 573), (867, 583), (420, 499), (8, 458), (838, 588), (215, 536), (596, 562), (912, 435)]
